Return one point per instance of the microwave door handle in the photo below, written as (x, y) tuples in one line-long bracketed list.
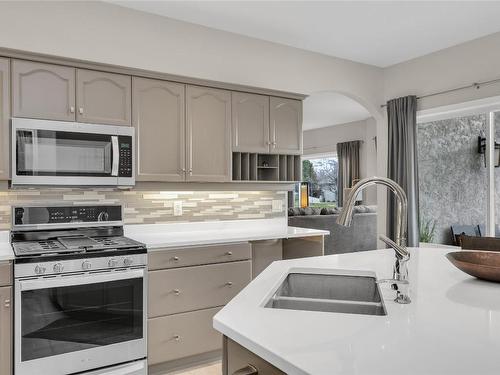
[(115, 158), (84, 279)]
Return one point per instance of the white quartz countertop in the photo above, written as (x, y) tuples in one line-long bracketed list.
[(6, 252), (157, 236), (452, 325)]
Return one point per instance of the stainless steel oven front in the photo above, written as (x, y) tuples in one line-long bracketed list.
[(69, 153), (76, 322)]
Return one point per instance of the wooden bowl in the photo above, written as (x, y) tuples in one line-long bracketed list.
[(481, 264)]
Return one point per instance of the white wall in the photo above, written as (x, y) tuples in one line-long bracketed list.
[(324, 140), (457, 66)]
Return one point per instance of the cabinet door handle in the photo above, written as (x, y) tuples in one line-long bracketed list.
[(80, 110), (177, 292), (7, 303), (72, 109), (247, 370)]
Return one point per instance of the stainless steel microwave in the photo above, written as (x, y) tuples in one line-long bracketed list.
[(48, 152)]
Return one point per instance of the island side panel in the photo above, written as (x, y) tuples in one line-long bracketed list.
[(303, 247)]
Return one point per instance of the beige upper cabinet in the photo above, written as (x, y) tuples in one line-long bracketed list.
[(250, 122), (4, 118), (43, 91), (103, 98), (208, 116), (159, 118), (286, 126)]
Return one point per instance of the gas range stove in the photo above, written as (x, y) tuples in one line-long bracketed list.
[(80, 292)]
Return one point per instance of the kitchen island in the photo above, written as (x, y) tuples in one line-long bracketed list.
[(452, 325)]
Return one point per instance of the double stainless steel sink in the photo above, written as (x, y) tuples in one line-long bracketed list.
[(336, 293)]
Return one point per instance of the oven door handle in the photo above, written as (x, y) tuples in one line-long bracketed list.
[(83, 279), (115, 158)]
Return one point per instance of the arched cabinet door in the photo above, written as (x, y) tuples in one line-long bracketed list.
[(286, 126), (43, 91), (103, 98), (208, 134), (158, 116), (4, 119), (250, 122)]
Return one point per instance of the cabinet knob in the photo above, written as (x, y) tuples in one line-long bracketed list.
[(274, 144), (247, 370), (72, 109), (177, 292), (80, 110), (229, 253), (177, 337), (7, 303), (175, 259), (229, 284), (183, 170), (190, 171)]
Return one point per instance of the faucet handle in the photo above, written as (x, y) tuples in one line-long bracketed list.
[(402, 288), (401, 251)]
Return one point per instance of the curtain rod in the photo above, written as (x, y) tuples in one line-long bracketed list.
[(476, 85)]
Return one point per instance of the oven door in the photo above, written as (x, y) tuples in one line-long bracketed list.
[(62, 153), (68, 324)]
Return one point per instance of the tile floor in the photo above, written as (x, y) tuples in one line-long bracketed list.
[(208, 369)]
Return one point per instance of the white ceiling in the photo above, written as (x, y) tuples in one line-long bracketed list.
[(380, 33), (328, 108)]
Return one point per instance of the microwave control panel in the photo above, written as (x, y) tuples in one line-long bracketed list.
[(126, 160)]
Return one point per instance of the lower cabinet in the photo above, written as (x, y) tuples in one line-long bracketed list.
[(6, 320), (193, 288), (237, 360), (6, 330), (186, 288), (182, 335)]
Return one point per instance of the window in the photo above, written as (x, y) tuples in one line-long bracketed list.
[(321, 172), (457, 157)]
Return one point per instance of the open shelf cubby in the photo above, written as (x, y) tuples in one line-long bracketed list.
[(249, 166)]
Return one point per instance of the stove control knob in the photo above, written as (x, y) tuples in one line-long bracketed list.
[(127, 262), (40, 270), (112, 262), (86, 265), (58, 267)]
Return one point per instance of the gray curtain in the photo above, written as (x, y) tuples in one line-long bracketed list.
[(402, 162), (348, 155)]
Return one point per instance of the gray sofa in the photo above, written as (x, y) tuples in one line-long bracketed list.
[(360, 236)]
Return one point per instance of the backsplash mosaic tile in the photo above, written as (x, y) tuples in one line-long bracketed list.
[(151, 207)]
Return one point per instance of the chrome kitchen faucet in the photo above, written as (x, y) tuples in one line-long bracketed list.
[(400, 272)]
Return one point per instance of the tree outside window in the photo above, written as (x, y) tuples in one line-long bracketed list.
[(321, 173)]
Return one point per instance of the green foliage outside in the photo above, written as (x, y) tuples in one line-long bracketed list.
[(427, 230)]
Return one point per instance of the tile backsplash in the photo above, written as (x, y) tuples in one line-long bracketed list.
[(150, 207)]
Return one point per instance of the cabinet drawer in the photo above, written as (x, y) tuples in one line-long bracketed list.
[(193, 288), (191, 256), (237, 358), (182, 335), (5, 274)]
